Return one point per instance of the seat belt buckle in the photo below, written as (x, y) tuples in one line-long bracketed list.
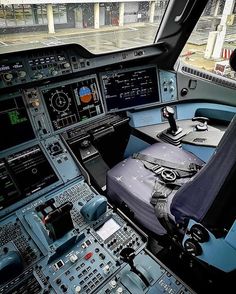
[(168, 175)]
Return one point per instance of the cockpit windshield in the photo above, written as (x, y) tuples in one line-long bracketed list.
[(103, 27), (98, 26)]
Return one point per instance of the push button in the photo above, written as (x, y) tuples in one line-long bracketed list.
[(199, 233), (88, 255)]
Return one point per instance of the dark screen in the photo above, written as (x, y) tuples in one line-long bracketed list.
[(15, 126), (8, 190), (130, 89), (23, 174)]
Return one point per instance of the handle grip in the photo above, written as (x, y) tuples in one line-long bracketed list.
[(200, 119)]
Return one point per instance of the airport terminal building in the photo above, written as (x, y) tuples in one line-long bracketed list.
[(52, 15)]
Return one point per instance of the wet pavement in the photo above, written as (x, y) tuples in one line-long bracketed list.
[(113, 38), (105, 39)]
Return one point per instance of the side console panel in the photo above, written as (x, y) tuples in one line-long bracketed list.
[(196, 84)]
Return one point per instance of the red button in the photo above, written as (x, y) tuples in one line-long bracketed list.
[(88, 255)]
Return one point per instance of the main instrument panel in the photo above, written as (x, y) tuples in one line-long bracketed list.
[(58, 234)]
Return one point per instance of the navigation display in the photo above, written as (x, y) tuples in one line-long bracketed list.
[(130, 88), (73, 103), (23, 174), (14, 121)]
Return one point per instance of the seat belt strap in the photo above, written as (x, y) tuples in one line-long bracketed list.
[(160, 194), (191, 168), (158, 170)]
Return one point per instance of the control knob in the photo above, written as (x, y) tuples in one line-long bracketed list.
[(184, 92), (8, 77), (119, 290), (21, 74), (77, 289), (38, 75), (54, 72), (106, 269), (85, 144), (113, 283), (202, 126), (66, 65), (73, 258), (34, 103)]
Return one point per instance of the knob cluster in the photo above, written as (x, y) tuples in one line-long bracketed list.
[(9, 76), (33, 97)]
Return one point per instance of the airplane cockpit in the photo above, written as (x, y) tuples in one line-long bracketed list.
[(117, 149)]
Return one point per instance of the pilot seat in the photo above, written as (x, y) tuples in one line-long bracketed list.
[(133, 182), (165, 187)]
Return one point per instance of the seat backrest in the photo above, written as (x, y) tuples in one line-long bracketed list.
[(209, 198)]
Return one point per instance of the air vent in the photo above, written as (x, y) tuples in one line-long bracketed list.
[(210, 77)]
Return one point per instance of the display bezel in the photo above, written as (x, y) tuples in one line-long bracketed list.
[(32, 137), (34, 195), (132, 69), (68, 83)]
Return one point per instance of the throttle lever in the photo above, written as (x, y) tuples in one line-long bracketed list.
[(127, 255)]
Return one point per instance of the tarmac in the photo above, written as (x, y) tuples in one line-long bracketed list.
[(194, 56)]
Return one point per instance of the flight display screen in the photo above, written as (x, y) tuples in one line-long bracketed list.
[(14, 121), (72, 103), (23, 174), (130, 88), (9, 193)]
